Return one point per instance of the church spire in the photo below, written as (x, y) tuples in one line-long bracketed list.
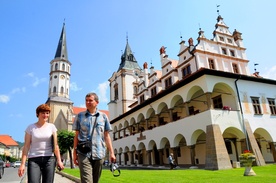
[(128, 60), (61, 52)]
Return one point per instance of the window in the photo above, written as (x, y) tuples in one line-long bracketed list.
[(61, 90), (221, 38), (256, 105), (153, 91), (232, 53), (224, 51), (135, 90), (56, 67), (55, 89), (63, 67), (272, 106), (217, 101), (211, 64), (229, 40), (235, 68), (116, 93), (142, 98), (186, 71), (168, 82)]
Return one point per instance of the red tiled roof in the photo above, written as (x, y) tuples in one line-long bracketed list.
[(7, 140)]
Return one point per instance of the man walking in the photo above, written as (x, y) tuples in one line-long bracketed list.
[(92, 135)]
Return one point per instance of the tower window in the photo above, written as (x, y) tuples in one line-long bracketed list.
[(221, 38), (61, 90), (55, 89), (116, 93), (223, 51), (56, 67), (235, 68), (63, 67), (232, 53), (211, 63)]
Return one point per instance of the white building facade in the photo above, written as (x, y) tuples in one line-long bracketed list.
[(206, 107)]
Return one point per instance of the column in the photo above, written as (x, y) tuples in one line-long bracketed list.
[(171, 115), (139, 157), (132, 157), (175, 155), (149, 156), (120, 160), (192, 154), (161, 156), (273, 150), (209, 100)]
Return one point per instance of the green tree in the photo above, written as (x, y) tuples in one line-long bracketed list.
[(65, 143)]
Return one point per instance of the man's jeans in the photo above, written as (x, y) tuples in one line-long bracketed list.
[(90, 170), (41, 166)]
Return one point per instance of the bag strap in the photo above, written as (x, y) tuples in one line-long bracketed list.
[(95, 124)]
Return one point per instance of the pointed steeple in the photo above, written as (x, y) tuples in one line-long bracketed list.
[(128, 60), (61, 52)]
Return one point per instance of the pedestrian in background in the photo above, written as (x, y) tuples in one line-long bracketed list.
[(41, 149), (92, 135)]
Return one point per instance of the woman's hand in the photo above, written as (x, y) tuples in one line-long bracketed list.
[(60, 165), (21, 170)]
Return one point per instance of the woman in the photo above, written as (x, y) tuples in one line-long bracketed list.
[(40, 146)]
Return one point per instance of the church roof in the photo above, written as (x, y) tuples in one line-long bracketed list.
[(62, 47), (128, 60)]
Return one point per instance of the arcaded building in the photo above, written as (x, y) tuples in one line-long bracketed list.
[(205, 106)]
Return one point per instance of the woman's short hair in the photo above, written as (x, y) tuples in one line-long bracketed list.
[(42, 108)]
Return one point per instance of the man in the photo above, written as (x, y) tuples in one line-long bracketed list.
[(92, 135), (171, 161)]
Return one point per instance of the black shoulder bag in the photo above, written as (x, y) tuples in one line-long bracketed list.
[(85, 147)]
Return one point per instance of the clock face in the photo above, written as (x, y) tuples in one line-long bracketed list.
[(62, 76)]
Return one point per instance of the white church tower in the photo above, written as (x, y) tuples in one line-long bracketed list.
[(124, 84), (59, 86)]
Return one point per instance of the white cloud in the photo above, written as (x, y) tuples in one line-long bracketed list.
[(270, 73), (102, 91), (74, 87), (4, 99), (37, 80), (18, 90)]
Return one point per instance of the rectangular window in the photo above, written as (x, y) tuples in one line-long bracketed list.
[(272, 106), (223, 51), (232, 53), (235, 68), (211, 64), (142, 98), (116, 93), (229, 40), (168, 82), (256, 105), (186, 71), (217, 101), (153, 91), (221, 38)]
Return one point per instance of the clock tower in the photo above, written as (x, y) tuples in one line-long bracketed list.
[(59, 86)]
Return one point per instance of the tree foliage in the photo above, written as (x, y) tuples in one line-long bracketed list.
[(65, 143)]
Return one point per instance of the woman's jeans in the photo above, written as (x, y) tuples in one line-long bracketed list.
[(41, 167)]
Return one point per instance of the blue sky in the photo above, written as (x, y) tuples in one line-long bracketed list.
[(96, 36)]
